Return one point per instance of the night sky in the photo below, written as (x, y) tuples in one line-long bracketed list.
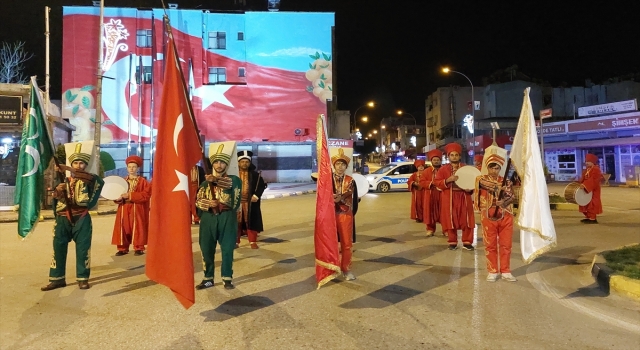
[(392, 51)]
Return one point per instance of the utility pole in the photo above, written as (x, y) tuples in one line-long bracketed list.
[(47, 9), (98, 116)]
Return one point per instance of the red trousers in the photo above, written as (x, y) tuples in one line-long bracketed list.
[(467, 236), (344, 223), (251, 235), (498, 235), (128, 226)]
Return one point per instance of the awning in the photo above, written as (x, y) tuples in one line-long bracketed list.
[(594, 143)]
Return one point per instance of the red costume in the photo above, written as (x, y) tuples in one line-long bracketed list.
[(477, 161), (590, 180), (431, 194), (497, 221), (132, 219), (456, 204), (345, 210), (417, 192)]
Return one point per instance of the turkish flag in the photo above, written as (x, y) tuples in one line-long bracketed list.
[(170, 257), (325, 235)]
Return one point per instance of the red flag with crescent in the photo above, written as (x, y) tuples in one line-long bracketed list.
[(169, 252), (325, 236)]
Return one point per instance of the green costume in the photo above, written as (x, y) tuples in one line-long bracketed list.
[(218, 225), (81, 194)]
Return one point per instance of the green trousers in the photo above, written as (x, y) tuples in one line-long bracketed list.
[(214, 229), (63, 233)]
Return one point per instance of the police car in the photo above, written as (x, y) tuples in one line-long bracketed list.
[(391, 176)]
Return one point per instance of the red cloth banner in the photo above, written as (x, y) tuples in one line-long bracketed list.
[(170, 256), (325, 235)]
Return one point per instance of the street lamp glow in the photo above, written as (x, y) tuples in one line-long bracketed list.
[(399, 112), (375, 131), (445, 70), (383, 127), (370, 135), (365, 119), (357, 129), (371, 104)]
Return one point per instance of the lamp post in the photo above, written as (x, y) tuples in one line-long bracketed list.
[(400, 112), (473, 106), (404, 127), (369, 104)]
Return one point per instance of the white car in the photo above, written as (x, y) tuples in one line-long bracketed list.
[(391, 177)]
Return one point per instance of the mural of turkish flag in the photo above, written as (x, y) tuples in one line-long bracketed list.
[(170, 257), (325, 235)]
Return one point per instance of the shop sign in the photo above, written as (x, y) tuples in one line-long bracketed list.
[(546, 113), (553, 129), (608, 108), (340, 143), (10, 109), (613, 123)]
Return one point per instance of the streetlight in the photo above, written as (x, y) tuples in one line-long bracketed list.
[(401, 112), (375, 131), (369, 104), (365, 119), (383, 126), (446, 70)]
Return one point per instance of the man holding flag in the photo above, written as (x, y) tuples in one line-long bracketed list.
[(178, 149), (537, 232)]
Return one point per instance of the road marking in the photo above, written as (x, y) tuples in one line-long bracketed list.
[(540, 283)]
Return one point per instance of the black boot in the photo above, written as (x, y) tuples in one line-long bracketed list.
[(228, 285)]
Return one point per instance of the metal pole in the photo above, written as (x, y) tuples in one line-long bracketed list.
[(140, 88), (542, 142), (130, 116), (47, 9), (98, 116), (153, 59)]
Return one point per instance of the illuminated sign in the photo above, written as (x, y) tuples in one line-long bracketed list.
[(413, 141), (10, 109), (468, 122)]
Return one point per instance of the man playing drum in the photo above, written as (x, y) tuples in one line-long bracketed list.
[(432, 194), (590, 180), (457, 207), (495, 203)]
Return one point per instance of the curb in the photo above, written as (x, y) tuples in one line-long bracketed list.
[(607, 280), (299, 193)]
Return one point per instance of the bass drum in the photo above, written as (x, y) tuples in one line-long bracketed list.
[(574, 193), (361, 183), (467, 177)]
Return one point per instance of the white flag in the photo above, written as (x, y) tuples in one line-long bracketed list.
[(537, 233)]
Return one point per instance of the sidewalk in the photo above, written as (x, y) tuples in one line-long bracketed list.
[(107, 207)]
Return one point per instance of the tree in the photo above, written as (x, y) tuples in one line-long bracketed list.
[(12, 59)]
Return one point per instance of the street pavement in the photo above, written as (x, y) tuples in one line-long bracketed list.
[(410, 292)]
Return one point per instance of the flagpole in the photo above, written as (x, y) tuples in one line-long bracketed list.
[(130, 115), (98, 115), (140, 88), (205, 164)]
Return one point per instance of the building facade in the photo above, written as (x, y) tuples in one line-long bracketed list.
[(251, 78)]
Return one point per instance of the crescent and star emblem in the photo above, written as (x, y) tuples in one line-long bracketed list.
[(33, 152), (183, 184)]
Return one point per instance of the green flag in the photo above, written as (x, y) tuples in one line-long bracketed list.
[(36, 150)]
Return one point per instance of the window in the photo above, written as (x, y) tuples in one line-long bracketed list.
[(240, 36), (404, 169), (146, 74), (217, 75), (218, 40), (242, 72), (143, 38)]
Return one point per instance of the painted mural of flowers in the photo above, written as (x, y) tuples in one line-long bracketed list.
[(79, 108), (321, 77)]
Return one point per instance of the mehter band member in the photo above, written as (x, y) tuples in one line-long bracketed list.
[(132, 219)]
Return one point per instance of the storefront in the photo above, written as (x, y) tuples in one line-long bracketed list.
[(615, 139)]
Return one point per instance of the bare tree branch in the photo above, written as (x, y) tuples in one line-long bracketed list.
[(12, 59)]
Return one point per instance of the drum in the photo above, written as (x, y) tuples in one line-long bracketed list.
[(574, 193), (114, 186), (361, 183), (467, 177)]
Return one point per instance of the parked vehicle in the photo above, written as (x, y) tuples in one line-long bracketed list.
[(393, 176)]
